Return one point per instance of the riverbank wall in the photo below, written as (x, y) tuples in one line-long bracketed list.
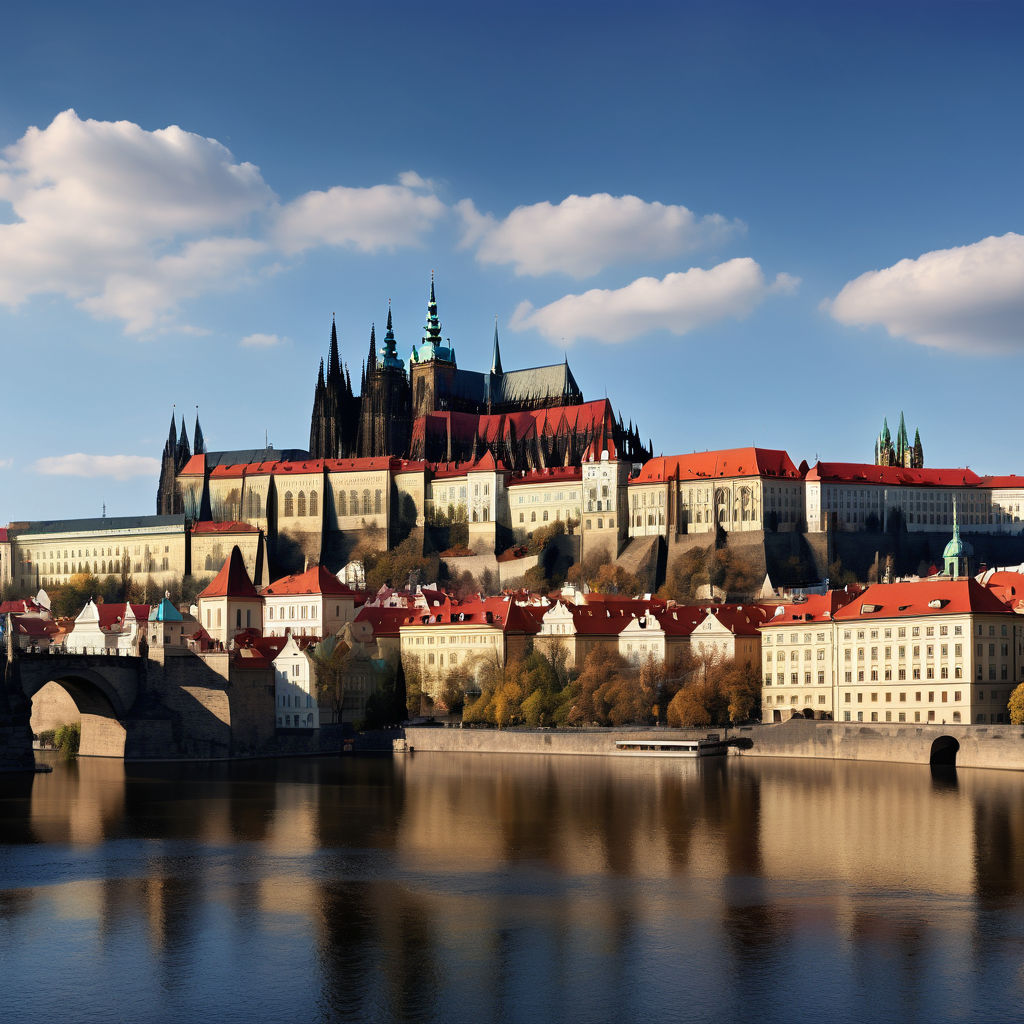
[(977, 746)]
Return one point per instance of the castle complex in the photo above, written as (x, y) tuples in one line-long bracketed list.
[(426, 444)]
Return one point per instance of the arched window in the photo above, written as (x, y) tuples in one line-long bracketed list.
[(302, 503), (366, 502), (377, 501), (314, 503), (342, 504), (104, 566), (353, 503), (289, 504)]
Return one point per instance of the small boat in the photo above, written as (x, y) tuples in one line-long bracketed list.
[(672, 748)]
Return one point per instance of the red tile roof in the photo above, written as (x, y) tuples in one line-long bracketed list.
[(196, 466), (315, 580), (32, 625), (766, 462), (1011, 481), (112, 615), (232, 580), (922, 597), (553, 474), (227, 527), (816, 608), (383, 621), (500, 612), (892, 476), (19, 607)]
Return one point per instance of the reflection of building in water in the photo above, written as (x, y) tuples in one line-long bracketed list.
[(875, 826)]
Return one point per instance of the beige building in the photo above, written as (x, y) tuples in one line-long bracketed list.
[(738, 489), (940, 650), (47, 554), (312, 603), (464, 636), (230, 604)]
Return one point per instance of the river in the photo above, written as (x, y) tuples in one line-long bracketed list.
[(446, 887)]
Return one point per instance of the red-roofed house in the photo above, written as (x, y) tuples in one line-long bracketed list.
[(938, 650), (798, 657), (230, 604), (312, 603), (852, 496), (450, 636), (739, 489), (108, 628)]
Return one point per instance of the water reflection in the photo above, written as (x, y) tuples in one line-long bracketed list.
[(483, 887)]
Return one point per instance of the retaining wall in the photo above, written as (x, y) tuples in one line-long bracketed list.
[(994, 746)]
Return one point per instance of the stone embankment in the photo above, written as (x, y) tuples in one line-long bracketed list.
[(968, 746)]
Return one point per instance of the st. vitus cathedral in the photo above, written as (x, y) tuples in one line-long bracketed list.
[(527, 419)]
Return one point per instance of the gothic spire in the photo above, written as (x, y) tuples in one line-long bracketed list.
[(433, 325), (183, 453), (320, 376), (371, 359), (333, 365), (198, 442), (172, 436), (496, 357), (390, 351)]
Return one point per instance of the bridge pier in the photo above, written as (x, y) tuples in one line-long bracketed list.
[(15, 710)]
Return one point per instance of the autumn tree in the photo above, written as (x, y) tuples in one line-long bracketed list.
[(1016, 705)]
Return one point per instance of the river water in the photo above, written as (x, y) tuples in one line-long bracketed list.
[(475, 887)]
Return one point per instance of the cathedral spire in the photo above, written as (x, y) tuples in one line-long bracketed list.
[(333, 365), (390, 358), (320, 376), (371, 359), (496, 357), (198, 442), (183, 453), (172, 436), (433, 325)]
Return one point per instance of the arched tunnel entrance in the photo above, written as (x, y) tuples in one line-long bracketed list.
[(944, 751), (71, 698)]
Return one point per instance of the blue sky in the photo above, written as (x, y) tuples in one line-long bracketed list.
[(747, 223)]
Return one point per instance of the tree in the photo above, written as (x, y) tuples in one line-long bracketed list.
[(330, 664), (1016, 705)]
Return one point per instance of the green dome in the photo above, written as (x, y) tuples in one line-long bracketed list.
[(957, 547)]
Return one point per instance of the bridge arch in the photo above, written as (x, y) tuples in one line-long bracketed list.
[(944, 751), (102, 699)]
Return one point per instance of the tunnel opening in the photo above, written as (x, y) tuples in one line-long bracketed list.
[(943, 752)]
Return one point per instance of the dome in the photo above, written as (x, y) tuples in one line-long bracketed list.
[(957, 547)]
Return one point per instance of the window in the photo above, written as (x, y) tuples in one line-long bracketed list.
[(377, 501), (302, 503), (314, 503), (289, 504)]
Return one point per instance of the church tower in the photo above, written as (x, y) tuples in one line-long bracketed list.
[(335, 419), (175, 454), (432, 366), (385, 424), (957, 554)]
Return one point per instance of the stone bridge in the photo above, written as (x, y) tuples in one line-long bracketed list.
[(171, 704)]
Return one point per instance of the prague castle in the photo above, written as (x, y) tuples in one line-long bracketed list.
[(426, 444)]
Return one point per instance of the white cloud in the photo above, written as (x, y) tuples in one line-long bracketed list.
[(128, 223), (367, 219), (6, 463), (261, 341), (120, 219), (677, 303), (967, 298), (120, 467), (584, 234)]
